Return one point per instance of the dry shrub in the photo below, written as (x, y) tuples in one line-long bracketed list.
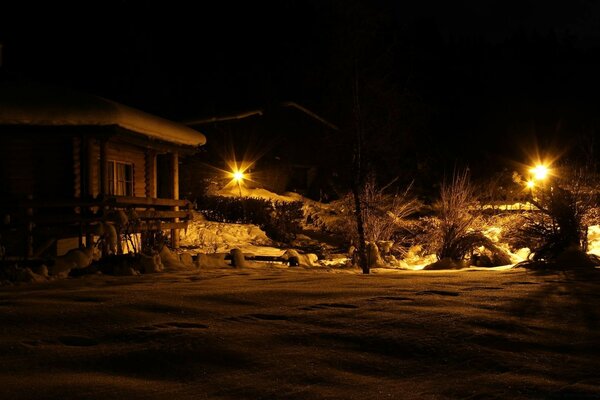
[(455, 236), (510, 224), (557, 226), (560, 225), (384, 214), (457, 231)]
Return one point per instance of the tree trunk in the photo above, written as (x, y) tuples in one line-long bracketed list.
[(358, 176), (362, 251)]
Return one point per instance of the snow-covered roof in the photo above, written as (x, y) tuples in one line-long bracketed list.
[(28, 104)]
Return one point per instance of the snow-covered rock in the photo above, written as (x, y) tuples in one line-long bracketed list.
[(73, 259), (303, 260)]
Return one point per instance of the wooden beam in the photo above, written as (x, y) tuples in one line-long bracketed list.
[(59, 203), (144, 201), (116, 201), (152, 214), (77, 189), (66, 219), (150, 172), (154, 226), (89, 166), (103, 167), (175, 191), (88, 161)]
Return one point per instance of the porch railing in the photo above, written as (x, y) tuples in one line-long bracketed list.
[(27, 219)]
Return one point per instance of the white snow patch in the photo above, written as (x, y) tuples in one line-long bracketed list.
[(594, 239), (220, 237)]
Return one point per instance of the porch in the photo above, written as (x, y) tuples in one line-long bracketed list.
[(30, 228)]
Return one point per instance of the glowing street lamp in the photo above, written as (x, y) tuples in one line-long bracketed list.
[(540, 172), (238, 177)]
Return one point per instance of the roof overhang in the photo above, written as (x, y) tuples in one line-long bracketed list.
[(26, 104)]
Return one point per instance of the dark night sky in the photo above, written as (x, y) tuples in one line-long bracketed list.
[(465, 75)]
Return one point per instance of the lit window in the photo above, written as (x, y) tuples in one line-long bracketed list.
[(120, 178)]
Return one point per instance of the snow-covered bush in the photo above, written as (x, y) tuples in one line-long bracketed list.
[(281, 220), (284, 221)]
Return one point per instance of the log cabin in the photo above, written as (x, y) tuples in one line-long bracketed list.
[(68, 159)]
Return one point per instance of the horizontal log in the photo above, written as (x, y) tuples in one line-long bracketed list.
[(155, 226), (62, 219), (69, 219), (146, 201), (157, 214), (73, 230), (38, 203), (115, 201)]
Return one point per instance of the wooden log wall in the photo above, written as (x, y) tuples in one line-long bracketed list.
[(120, 152)]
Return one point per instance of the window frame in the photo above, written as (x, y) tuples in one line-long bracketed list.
[(114, 183)]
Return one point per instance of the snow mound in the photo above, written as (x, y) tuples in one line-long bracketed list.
[(594, 239), (217, 237), (234, 191)]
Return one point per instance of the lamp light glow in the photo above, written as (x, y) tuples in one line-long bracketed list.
[(540, 172), (238, 176)]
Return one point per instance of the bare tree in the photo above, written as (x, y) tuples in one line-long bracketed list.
[(358, 177)]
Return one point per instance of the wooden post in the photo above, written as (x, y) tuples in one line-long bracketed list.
[(103, 168), (77, 166), (29, 229), (87, 188), (89, 166), (175, 194), (150, 173)]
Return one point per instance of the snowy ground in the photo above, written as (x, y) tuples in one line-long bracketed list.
[(271, 331)]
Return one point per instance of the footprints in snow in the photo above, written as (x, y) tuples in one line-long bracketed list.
[(77, 341), (172, 325), (84, 341), (277, 317), (322, 306), (394, 298), (71, 341), (258, 317), (439, 292)]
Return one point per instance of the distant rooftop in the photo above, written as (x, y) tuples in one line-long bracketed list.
[(32, 104), (259, 113)]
